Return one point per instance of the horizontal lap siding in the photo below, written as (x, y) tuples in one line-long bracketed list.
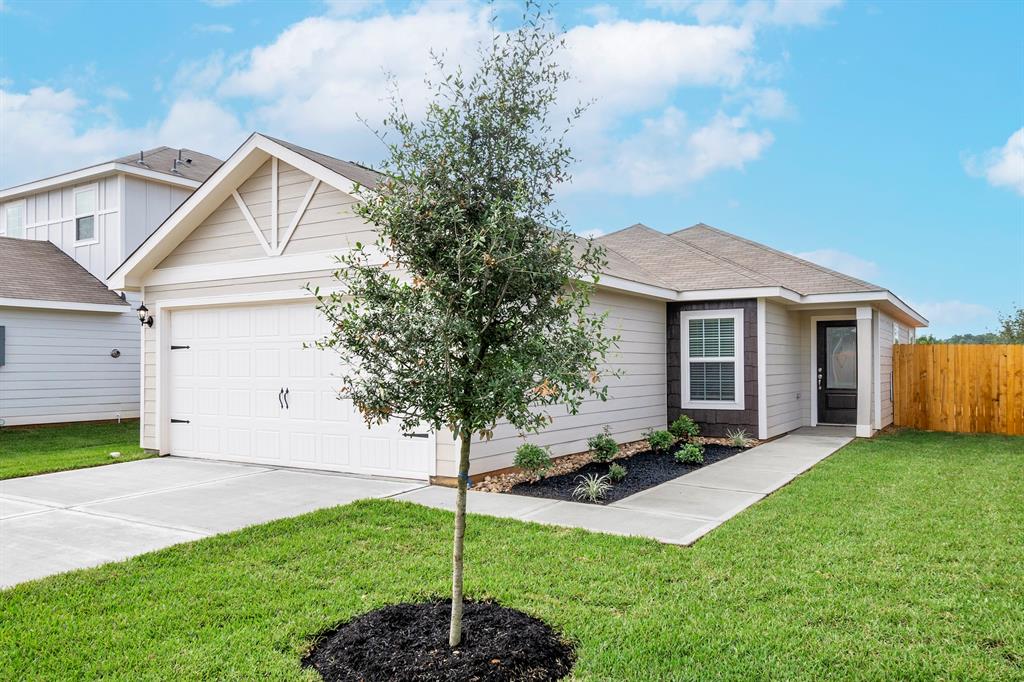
[(885, 342), (785, 363), (636, 400), (59, 368)]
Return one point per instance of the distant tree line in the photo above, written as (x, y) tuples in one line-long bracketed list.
[(1011, 330)]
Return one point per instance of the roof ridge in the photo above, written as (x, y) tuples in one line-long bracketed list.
[(638, 265), (745, 271), (789, 256)]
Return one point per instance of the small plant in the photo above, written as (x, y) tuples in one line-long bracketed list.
[(591, 487), (533, 459), (739, 438), (603, 446), (684, 428), (660, 441), (691, 453), (616, 472)]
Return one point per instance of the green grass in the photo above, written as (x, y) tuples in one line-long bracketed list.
[(25, 451), (897, 558)]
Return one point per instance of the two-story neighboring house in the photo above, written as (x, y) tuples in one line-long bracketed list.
[(69, 347)]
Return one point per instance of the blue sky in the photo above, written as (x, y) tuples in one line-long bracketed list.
[(883, 139)]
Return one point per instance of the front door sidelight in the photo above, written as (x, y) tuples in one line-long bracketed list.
[(836, 380)]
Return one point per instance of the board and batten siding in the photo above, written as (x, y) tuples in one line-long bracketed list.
[(636, 400), (59, 366), (146, 205), (787, 358), (225, 236)]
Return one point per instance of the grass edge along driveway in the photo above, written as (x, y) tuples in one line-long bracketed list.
[(30, 450), (899, 557)]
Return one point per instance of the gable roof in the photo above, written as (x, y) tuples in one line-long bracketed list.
[(157, 164), (779, 267), (40, 271), (702, 257), (367, 177)]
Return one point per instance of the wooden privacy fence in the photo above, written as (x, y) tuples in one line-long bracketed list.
[(964, 388)]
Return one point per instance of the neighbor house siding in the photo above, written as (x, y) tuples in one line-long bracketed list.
[(714, 422), (785, 368), (59, 366), (636, 399), (146, 205)]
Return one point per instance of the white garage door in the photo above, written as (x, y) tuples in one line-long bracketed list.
[(243, 388)]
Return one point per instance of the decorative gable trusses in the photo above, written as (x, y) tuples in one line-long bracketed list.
[(278, 240)]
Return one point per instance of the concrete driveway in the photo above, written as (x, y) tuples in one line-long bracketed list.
[(59, 522)]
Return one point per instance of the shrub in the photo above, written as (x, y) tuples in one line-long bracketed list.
[(660, 441), (533, 459), (616, 472), (739, 438), (603, 446), (691, 453), (684, 428), (591, 487)]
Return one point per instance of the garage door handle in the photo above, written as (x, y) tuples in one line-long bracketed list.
[(286, 399), (279, 401), (180, 421), (416, 435)]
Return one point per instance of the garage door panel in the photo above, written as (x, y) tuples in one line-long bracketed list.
[(228, 385)]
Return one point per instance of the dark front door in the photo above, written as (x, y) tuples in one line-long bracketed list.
[(837, 372)]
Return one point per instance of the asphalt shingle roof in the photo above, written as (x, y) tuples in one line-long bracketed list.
[(31, 269), (702, 257), (367, 177), (195, 165)]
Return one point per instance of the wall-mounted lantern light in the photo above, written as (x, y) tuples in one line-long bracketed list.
[(144, 316)]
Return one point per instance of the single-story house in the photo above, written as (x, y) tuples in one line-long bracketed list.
[(736, 334), (70, 346)]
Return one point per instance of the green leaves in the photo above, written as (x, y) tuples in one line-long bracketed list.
[(472, 307)]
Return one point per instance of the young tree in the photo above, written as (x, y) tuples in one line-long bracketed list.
[(1011, 326), (472, 307)]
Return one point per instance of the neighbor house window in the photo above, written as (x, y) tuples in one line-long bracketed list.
[(14, 219), (712, 359), (85, 214)]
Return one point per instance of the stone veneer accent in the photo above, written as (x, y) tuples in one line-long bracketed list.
[(715, 422)]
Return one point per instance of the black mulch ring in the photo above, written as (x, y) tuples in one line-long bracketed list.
[(644, 470), (410, 642)]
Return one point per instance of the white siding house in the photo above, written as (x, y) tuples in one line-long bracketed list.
[(59, 363), (226, 374)]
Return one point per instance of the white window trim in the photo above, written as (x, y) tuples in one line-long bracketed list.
[(24, 217), (95, 189), (684, 330)]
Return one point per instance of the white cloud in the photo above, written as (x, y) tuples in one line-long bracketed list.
[(1002, 167), (668, 154), (955, 317), (753, 13), (213, 28), (602, 12), (843, 262), (43, 133)]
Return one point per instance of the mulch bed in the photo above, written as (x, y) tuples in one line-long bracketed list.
[(410, 642), (645, 470)]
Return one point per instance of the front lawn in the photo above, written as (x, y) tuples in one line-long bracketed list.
[(896, 558), (28, 450)]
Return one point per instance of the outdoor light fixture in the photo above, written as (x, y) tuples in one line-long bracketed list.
[(144, 316)]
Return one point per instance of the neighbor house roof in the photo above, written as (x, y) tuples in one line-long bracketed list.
[(40, 271), (160, 163), (702, 257)]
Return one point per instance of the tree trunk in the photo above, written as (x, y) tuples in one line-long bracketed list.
[(455, 629)]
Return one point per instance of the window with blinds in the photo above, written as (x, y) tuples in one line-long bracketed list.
[(712, 368)]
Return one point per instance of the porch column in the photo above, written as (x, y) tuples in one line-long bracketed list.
[(865, 371)]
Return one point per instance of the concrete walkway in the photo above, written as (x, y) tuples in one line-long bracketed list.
[(677, 512), (53, 523)]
